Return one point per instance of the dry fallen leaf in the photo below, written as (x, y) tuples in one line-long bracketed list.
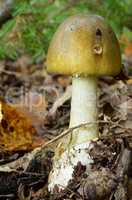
[(17, 131), (60, 101), (1, 116), (64, 81), (129, 81), (128, 45)]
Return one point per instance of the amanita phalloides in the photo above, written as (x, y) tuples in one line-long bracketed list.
[(85, 47)]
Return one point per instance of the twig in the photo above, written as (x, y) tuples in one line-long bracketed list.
[(7, 196), (10, 72), (83, 125), (30, 156)]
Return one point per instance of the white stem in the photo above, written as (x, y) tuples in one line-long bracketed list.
[(84, 108)]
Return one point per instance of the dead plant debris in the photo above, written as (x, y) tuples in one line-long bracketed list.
[(45, 100)]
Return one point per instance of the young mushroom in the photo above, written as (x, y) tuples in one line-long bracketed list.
[(84, 47)]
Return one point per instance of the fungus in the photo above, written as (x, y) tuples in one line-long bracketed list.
[(84, 47)]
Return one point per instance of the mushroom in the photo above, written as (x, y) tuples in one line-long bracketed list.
[(84, 47)]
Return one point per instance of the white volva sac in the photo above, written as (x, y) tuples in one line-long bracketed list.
[(64, 167), (83, 110)]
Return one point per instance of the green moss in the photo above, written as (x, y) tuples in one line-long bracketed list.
[(35, 21)]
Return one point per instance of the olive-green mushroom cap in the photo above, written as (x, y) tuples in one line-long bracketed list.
[(84, 45)]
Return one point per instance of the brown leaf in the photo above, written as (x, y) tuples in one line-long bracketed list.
[(64, 81), (128, 45), (60, 101), (17, 131)]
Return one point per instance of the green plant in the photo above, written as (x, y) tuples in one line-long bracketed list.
[(35, 21)]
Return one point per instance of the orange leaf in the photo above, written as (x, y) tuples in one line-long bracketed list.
[(128, 45), (128, 50), (16, 130), (129, 81)]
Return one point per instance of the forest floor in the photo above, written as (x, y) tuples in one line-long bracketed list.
[(35, 110)]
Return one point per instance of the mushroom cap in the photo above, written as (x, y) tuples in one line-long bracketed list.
[(84, 45)]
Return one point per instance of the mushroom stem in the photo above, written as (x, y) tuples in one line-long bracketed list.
[(84, 109)]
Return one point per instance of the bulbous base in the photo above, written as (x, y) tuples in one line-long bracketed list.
[(64, 167)]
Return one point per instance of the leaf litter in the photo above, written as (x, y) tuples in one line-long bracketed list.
[(44, 100)]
